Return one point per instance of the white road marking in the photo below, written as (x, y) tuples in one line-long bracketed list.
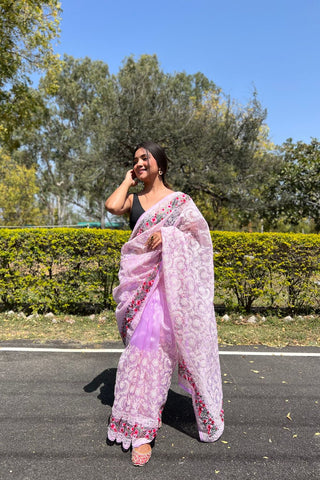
[(120, 350)]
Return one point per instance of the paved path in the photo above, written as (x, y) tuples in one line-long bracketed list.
[(54, 408)]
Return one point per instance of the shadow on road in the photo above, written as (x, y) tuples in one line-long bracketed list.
[(178, 412)]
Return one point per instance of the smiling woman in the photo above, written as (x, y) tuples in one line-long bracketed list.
[(164, 314)]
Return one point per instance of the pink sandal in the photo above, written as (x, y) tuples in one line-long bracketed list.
[(140, 459)]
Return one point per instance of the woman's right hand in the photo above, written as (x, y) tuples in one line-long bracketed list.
[(131, 178)]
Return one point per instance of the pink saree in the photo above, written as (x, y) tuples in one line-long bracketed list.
[(166, 316)]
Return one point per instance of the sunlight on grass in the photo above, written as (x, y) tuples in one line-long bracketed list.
[(102, 327)]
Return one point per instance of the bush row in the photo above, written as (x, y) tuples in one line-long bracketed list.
[(75, 271), (268, 269)]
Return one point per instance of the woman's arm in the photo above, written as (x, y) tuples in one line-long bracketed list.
[(119, 201)]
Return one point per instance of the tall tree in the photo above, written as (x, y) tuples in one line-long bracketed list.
[(27, 30), (219, 151), (18, 201), (294, 193), (72, 149)]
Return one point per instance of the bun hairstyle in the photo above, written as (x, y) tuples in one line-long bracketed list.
[(158, 154)]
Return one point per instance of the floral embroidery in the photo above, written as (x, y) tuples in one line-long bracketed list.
[(156, 217), (138, 300), (120, 429), (203, 412)]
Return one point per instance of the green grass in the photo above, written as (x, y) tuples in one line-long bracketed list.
[(96, 329), (93, 329), (274, 331)]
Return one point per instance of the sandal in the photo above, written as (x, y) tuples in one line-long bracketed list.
[(140, 459)]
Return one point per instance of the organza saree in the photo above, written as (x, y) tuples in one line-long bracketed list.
[(166, 316)]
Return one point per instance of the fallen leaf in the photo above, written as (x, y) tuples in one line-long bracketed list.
[(317, 434), (223, 441), (266, 458), (294, 436), (284, 382), (216, 472), (289, 416), (255, 371)]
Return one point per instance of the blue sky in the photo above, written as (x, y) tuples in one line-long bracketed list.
[(271, 46)]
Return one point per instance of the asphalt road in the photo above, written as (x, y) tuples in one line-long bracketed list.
[(54, 408)]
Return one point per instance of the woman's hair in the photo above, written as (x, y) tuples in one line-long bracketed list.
[(159, 154)]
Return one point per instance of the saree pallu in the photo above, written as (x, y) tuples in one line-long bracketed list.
[(166, 316)]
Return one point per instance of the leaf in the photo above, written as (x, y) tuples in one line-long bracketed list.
[(289, 417), (223, 441), (255, 371)]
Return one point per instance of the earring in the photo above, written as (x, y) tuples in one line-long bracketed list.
[(160, 171)]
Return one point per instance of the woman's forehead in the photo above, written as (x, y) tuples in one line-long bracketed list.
[(141, 152)]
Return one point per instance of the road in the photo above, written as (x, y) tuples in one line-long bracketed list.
[(55, 405)]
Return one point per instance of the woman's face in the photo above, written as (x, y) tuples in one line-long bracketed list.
[(144, 165)]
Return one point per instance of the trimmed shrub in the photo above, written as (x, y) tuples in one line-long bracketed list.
[(68, 270), (75, 270), (279, 270)]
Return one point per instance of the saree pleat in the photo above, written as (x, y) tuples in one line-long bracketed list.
[(166, 316)]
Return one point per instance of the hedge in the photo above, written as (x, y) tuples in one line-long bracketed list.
[(75, 271)]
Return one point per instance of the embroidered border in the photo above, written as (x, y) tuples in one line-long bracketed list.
[(138, 301), (201, 407), (171, 208)]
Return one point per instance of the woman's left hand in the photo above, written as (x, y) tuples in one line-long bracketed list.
[(154, 241)]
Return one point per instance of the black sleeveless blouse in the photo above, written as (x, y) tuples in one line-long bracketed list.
[(136, 211)]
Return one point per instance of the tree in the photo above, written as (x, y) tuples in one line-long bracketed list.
[(27, 29), (18, 203), (220, 152), (94, 121), (294, 193), (230, 159), (72, 146)]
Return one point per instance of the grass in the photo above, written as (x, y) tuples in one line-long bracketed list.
[(100, 328), (273, 331)]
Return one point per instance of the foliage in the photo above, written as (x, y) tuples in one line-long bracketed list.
[(75, 270), (220, 152), (59, 269), (279, 270), (18, 191), (294, 193), (27, 29)]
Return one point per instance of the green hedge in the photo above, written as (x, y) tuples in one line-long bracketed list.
[(270, 269), (75, 271), (59, 270)]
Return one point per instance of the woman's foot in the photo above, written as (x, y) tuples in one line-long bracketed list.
[(141, 455)]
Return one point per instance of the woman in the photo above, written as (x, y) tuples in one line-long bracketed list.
[(165, 308)]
